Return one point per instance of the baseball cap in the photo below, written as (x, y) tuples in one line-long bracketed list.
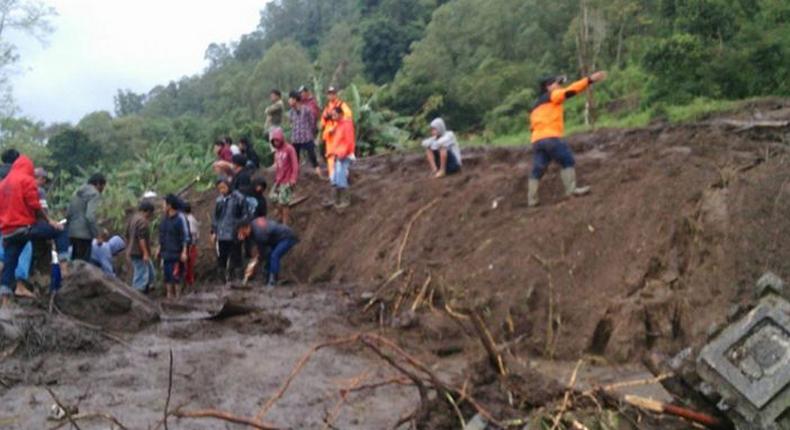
[(331, 90)]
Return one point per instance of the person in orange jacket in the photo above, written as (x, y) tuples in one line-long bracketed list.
[(342, 152), (328, 123), (547, 119)]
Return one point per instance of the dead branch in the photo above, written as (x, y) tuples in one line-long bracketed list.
[(375, 298), (567, 398), (489, 344), (408, 230), (421, 294), (223, 416), (332, 417), (169, 389), (90, 416), (300, 365), (66, 410)]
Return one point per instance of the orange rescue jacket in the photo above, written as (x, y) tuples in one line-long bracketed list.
[(327, 125), (343, 139), (547, 117)]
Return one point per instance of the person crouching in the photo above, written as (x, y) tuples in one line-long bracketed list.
[(442, 150), (275, 240)]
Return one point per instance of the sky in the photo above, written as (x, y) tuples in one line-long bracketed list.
[(100, 46)]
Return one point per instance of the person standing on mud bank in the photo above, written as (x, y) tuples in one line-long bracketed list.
[(328, 124), (248, 151), (172, 250), (442, 150), (138, 236), (547, 120), (286, 166), (23, 219), (307, 99), (242, 175), (193, 226), (274, 113), (272, 239), (342, 151), (224, 164), (81, 217), (230, 214), (303, 123)]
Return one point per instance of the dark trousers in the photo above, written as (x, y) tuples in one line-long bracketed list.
[(277, 253), (81, 249), (452, 162), (309, 148), (15, 243), (548, 150), (229, 252)]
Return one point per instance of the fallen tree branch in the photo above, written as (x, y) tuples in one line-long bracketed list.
[(90, 416), (169, 389), (223, 416), (408, 230), (567, 398), (489, 344), (66, 410)]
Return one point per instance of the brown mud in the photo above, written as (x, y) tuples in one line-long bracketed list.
[(681, 221)]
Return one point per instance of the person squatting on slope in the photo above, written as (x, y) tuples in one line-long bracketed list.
[(273, 240), (81, 219), (342, 152), (172, 246), (303, 122), (23, 219), (328, 124), (547, 119), (230, 214), (286, 165), (442, 150)]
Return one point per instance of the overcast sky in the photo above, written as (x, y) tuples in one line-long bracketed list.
[(100, 46)]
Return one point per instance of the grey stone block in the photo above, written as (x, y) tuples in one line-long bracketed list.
[(770, 283), (748, 363)]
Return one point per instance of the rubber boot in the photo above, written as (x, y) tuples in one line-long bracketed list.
[(272, 281), (344, 199), (334, 199), (532, 192), (569, 180)]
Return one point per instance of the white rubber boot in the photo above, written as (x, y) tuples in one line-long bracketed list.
[(532, 192), (569, 180)]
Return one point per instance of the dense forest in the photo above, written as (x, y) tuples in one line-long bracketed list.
[(401, 62)]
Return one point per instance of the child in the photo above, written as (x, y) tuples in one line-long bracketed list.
[(442, 150), (230, 214), (286, 166), (276, 240), (192, 249), (342, 152), (171, 245), (104, 248), (138, 236), (224, 164)]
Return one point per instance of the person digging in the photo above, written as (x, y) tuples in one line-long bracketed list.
[(548, 128)]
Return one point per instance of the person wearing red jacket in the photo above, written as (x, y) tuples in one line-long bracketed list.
[(342, 152), (23, 219), (286, 166)]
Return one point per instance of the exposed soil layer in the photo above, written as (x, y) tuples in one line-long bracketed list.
[(681, 221)]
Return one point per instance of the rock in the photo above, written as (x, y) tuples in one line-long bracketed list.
[(95, 298), (477, 423), (770, 283)]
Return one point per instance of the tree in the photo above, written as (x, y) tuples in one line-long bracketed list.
[(217, 55), (339, 61), (26, 16), (285, 66), (128, 103), (72, 149)]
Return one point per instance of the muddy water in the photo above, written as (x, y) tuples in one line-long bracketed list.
[(230, 365)]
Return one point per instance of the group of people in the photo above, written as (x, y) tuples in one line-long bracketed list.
[(240, 223)]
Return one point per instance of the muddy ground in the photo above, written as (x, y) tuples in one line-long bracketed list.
[(681, 221)]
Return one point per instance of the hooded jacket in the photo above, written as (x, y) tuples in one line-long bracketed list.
[(19, 200), (82, 211), (286, 163), (344, 139), (101, 255), (445, 139)]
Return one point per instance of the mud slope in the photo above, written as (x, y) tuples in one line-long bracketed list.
[(681, 221)]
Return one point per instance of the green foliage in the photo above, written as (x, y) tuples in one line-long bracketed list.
[(128, 103), (285, 66), (72, 150), (27, 137)]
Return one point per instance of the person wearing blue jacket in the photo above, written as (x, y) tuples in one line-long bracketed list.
[(171, 246), (103, 251)]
